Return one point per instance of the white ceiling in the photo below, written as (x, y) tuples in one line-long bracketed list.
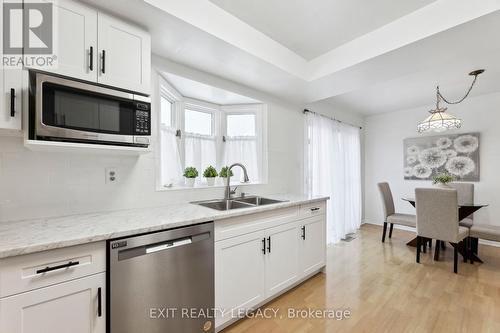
[(393, 67), (197, 90), (311, 28), (444, 59)]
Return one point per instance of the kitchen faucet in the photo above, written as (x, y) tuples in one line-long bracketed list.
[(228, 192)]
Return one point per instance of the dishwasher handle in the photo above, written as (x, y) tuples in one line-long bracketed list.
[(168, 245)]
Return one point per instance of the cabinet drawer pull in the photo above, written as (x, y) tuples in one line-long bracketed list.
[(303, 232), (12, 102), (91, 60), (269, 244), (264, 245), (53, 268), (103, 61), (99, 302), (314, 209)]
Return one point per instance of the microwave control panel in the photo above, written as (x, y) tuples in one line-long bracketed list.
[(142, 119)]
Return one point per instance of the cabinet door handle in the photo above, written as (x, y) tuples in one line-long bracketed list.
[(53, 268), (269, 244), (103, 61), (314, 209), (91, 60), (303, 232), (264, 245), (99, 302), (12, 102)]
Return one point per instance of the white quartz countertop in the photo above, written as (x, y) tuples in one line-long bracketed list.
[(28, 236)]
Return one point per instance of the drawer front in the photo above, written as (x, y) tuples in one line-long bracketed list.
[(37, 270), (241, 225), (312, 209)]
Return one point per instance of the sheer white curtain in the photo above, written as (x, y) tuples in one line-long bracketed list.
[(171, 168), (242, 149), (333, 168), (200, 151)]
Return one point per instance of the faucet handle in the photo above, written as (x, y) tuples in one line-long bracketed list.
[(233, 191)]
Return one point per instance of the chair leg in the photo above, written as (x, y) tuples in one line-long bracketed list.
[(443, 245), (418, 249), (430, 243), (436, 250), (465, 245), (475, 245), (390, 230), (384, 231), (424, 244), (455, 258)]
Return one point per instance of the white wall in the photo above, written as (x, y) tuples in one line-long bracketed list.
[(39, 184), (384, 136)]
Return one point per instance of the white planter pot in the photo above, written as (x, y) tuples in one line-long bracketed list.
[(190, 181), (224, 180), (210, 181), (441, 185)]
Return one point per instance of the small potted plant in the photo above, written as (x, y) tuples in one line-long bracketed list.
[(190, 174), (210, 173), (442, 180), (223, 174)]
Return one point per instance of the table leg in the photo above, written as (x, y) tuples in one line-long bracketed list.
[(471, 256)]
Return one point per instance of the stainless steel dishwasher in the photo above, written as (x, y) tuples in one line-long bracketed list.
[(162, 282)]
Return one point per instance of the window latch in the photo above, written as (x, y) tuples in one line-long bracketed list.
[(178, 133)]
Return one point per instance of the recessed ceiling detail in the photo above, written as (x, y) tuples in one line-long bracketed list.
[(311, 28)]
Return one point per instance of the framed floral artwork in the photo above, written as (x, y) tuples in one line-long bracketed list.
[(428, 156)]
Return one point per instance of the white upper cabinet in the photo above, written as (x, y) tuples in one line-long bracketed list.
[(11, 101), (75, 40), (10, 92), (124, 55), (96, 47)]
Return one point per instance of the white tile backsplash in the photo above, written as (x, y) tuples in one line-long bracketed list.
[(42, 184)]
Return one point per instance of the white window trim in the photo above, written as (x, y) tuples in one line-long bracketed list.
[(165, 89), (260, 112)]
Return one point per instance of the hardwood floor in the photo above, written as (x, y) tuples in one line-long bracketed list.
[(386, 291)]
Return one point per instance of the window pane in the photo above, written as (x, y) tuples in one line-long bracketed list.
[(240, 125), (166, 112), (198, 122)]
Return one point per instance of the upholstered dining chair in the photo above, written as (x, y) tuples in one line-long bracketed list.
[(437, 218), (465, 193), (390, 215)]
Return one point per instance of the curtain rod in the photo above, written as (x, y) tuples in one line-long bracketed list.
[(339, 121)]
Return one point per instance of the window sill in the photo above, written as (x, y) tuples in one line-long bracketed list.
[(205, 186)]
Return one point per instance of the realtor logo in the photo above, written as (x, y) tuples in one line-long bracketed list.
[(28, 29)]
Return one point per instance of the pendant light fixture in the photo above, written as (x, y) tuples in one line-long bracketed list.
[(440, 120)]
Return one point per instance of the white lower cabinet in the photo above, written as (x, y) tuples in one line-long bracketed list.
[(312, 245), (281, 258), (264, 259), (76, 306), (239, 274)]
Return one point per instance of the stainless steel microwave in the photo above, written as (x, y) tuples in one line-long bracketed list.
[(64, 109)]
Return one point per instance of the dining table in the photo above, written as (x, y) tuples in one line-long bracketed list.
[(464, 210)]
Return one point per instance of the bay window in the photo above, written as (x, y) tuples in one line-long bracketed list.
[(198, 134)]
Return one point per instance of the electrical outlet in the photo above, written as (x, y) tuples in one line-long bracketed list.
[(111, 175)]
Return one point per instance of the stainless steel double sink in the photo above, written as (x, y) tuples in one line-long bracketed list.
[(237, 203)]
